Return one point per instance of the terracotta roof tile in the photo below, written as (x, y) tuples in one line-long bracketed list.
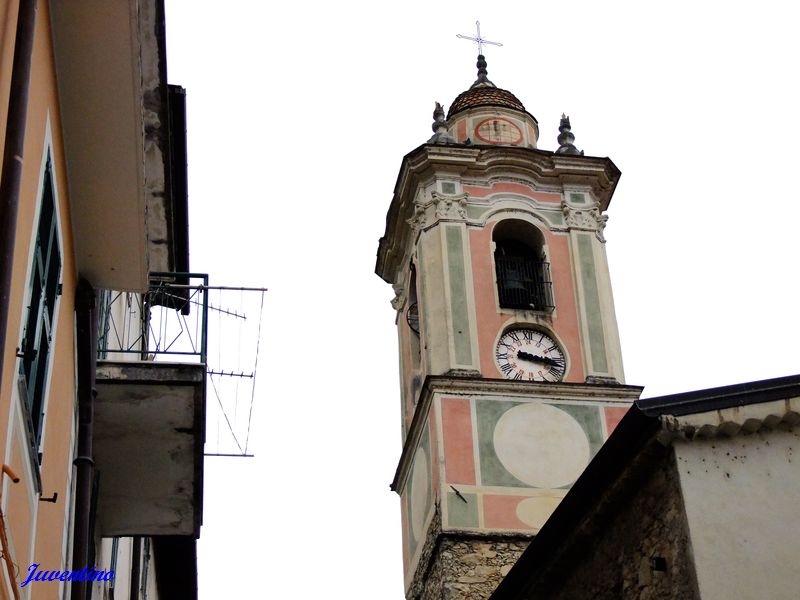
[(484, 96)]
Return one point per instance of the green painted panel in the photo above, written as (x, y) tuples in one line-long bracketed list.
[(448, 187), (488, 412), (458, 295), (460, 513), (555, 219), (588, 417), (594, 315), (577, 198), (475, 212)]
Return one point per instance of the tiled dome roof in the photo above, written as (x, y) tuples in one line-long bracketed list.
[(484, 96)]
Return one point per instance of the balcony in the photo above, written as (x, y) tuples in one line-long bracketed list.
[(149, 428), (524, 284)]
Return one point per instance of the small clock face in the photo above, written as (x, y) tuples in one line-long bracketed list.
[(530, 355)]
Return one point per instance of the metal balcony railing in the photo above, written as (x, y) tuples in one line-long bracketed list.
[(523, 283), (170, 320)]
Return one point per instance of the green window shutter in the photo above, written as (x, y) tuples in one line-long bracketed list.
[(39, 324)]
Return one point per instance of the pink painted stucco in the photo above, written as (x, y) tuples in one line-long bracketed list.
[(613, 415), (563, 321), (408, 374), (500, 512), (405, 524), (433, 451), (458, 443), (461, 130)]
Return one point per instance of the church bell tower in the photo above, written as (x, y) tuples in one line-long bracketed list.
[(510, 362)]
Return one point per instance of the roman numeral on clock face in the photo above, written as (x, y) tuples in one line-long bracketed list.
[(530, 355), (556, 373)]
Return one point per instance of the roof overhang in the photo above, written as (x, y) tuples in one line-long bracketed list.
[(110, 63), (149, 428)]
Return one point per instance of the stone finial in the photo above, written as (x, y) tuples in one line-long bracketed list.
[(566, 137), (483, 79), (440, 133)]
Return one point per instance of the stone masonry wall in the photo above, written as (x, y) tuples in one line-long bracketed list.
[(471, 569), (636, 546), (463, 566)]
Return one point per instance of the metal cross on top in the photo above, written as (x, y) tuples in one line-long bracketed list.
[(478, 39)]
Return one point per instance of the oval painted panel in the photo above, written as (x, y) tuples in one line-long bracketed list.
[(420, 491), (541, 445), (535, 511), (497, 130)]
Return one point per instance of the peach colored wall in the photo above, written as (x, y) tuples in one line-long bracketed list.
[(461, 130), (407, 372), (458, 444), (435, 465), (491, 321), (405, 525), (57, 433), (18, 512), (499, 512), (8, 14), (613, 416)]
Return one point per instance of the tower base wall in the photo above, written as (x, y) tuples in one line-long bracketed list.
[(461, 566)]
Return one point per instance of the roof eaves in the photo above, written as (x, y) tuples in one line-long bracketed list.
[(740, 394)]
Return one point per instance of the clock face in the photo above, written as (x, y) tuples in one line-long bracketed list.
[(530, 355)]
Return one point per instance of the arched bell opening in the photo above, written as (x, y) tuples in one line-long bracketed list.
[(521, 267), (412, 317)]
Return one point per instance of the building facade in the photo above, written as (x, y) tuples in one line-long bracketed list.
[(511, 370), (102, 447)]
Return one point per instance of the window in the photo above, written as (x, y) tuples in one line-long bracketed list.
[(523, 274), (44, 290)]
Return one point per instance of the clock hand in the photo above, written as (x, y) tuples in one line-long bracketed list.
[(522, 355), (539, 359), (551, 361)]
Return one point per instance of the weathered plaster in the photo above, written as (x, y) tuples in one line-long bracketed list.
[(741, 498)]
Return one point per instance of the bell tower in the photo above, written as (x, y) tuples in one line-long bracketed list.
[(510, 362)]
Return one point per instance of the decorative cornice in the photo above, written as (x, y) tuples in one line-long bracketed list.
[(539, 168)]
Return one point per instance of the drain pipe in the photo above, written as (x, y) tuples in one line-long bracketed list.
[(86, 319), (11, 174)]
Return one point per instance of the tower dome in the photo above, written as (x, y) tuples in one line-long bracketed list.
[(484, 96), (487, 114)]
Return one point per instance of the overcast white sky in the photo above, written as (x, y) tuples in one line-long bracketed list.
[(299, 114)]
